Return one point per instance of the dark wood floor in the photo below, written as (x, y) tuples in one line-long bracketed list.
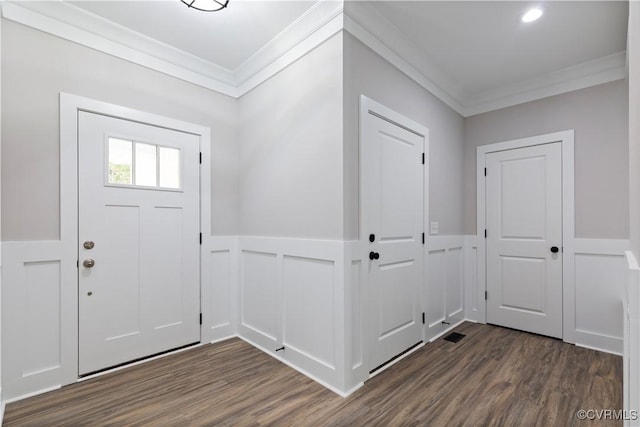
[(494, 376)]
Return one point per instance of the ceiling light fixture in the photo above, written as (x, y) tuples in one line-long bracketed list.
[(532, 15), (206, 5)]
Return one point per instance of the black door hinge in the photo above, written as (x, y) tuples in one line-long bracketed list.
[(423, 158), (200, 238), (486, 295), (423, 318), (201, 157), (201, 318), (423, 238), (485, 233), (485, 171), (78, 263)]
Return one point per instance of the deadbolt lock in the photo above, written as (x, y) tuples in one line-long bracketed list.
[(88, 244)]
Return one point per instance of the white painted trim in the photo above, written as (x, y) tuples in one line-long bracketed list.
[(70, 105), (613, 344), (64, 20), (604, 350), (322, 21), (210, 244), (368, 105), (367, 25), (318, 23), (566, 138), (440, 243), (32, 394), (631, 353), (591, 73), (71, 23), (383, 37), (471, 290), (616, 247)]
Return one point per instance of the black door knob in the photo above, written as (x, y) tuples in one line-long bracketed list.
[(554, 249), (373, 255)]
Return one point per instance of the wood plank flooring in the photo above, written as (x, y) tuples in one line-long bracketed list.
[(493, 376)]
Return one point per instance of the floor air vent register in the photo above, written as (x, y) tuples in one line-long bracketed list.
[(454, 337)]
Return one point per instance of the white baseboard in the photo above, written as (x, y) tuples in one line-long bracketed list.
[(32, 394), (449, 329), (603, 350)]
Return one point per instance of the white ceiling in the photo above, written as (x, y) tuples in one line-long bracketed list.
[(475, 55), (483, 45), (227, 38)]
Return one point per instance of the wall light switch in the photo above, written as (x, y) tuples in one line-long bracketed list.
[(435, 227)]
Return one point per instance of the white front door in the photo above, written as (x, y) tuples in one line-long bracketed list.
[(139, 280), (524, 239), (392, 202)]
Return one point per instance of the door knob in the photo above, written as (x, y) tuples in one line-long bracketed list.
[(373, 255), (88, 263), (554, 249)]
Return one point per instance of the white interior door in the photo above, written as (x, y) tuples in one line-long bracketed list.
[(524, 239), (139, 280), (392, 202)]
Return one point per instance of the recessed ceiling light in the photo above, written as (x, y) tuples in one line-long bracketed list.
[(532, 15)]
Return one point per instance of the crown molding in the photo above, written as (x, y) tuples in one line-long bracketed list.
[(77, 25), (316, 25), (378, 33), (61, 19), (591, 73), (374, 30), (322, 21)]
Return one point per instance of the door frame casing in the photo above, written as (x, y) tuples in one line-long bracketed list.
[(566, 140), (70, 106), (368, 105)]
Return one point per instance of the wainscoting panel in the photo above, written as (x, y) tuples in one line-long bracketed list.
[(309, 312), (445, 287), (356, 310), (292, 294), (435, 288), (35, 320), (474, 303), (260, 297), (631, 355), (455, 282), (600, 277), (219, 288)]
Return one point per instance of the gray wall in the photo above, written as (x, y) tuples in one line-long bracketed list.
[(599, 116), (35, 68), (368, 73), (291, 155)]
